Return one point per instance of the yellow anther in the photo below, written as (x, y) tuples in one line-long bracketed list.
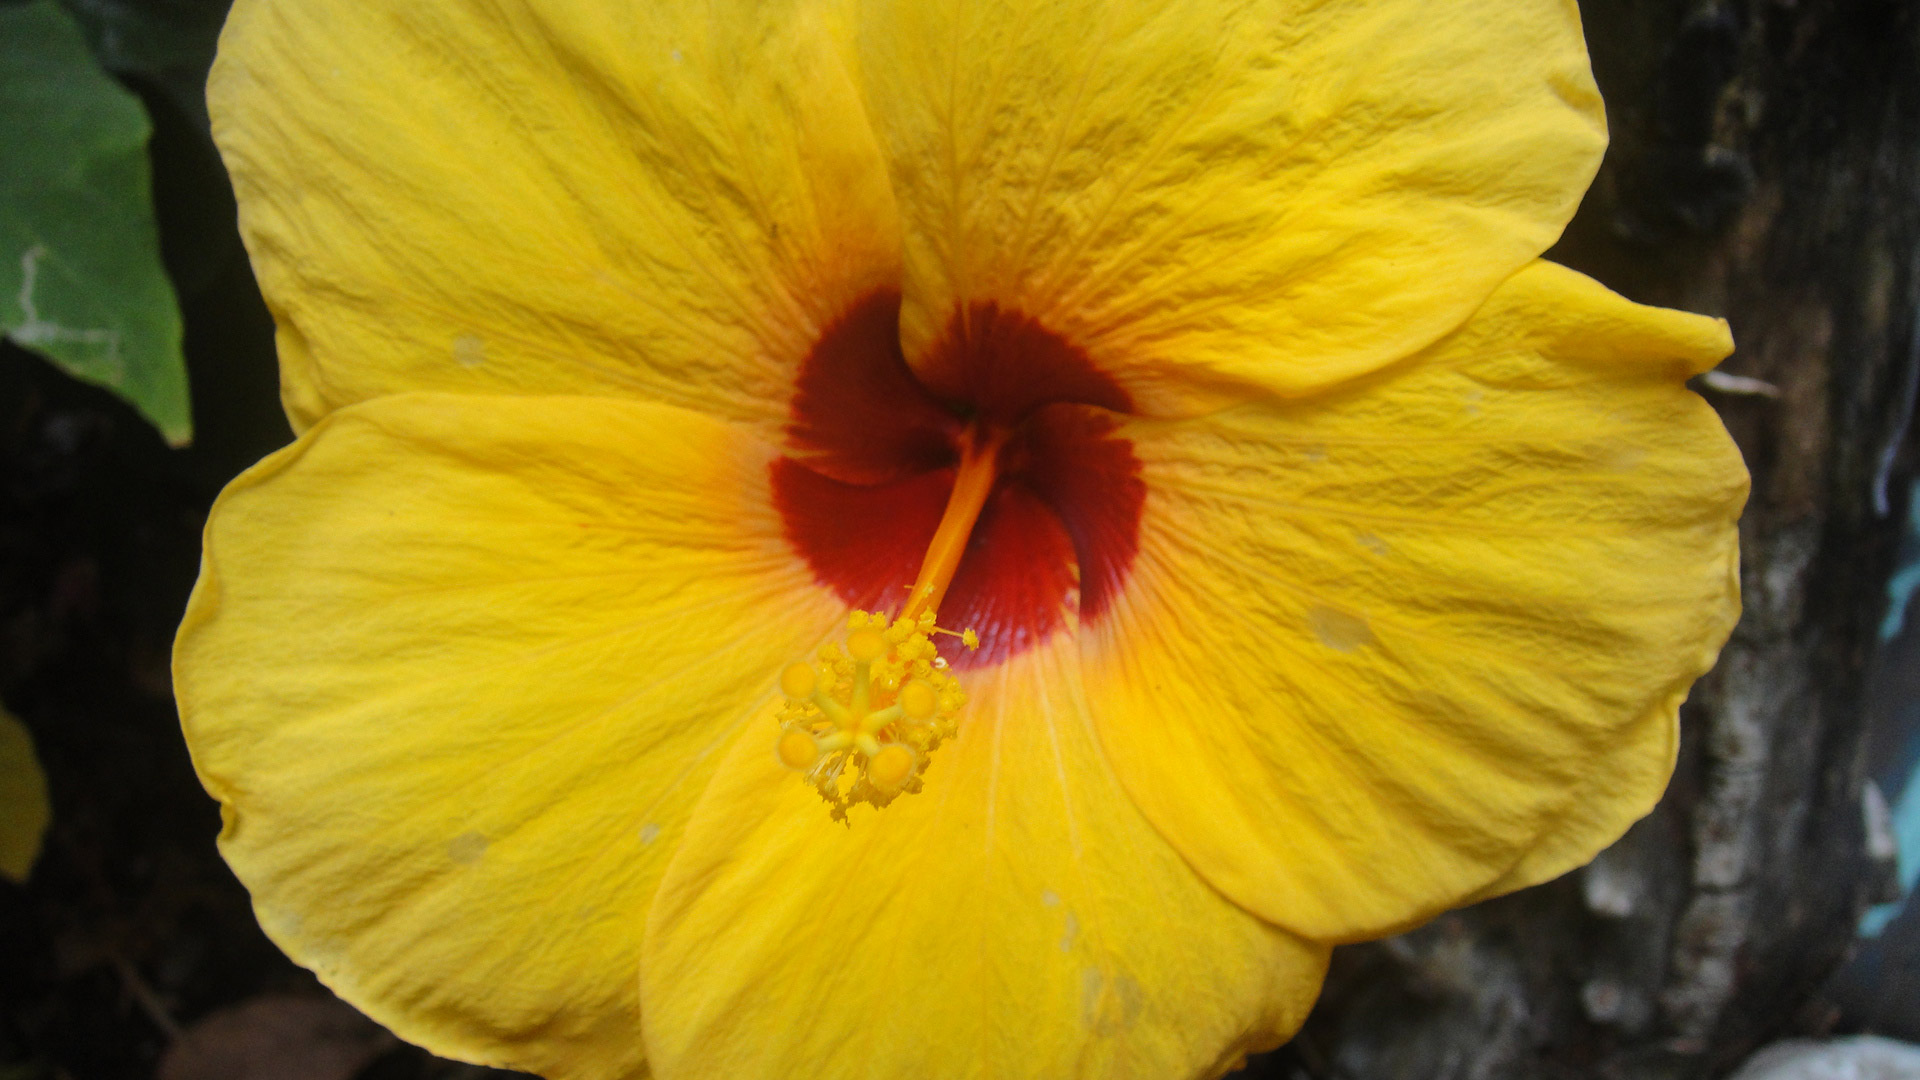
[(919, 700), (798, 750), (866, 645), (967, 637), (891, 768), (798, 681), (861, 724)]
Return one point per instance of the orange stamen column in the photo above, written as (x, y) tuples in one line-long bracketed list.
[(971, 486), (861, 722)]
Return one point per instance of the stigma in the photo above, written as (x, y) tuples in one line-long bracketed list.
[(862, 720)]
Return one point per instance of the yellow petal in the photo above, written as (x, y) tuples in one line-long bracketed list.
[(657, 200), (1017, 918), (1383, 648), (24, 809), (458, 668), (1216, 192), (1602, 802)]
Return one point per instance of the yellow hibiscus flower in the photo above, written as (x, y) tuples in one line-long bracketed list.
[(1333, 559)]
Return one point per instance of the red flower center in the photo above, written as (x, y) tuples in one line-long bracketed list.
[(874, 451)]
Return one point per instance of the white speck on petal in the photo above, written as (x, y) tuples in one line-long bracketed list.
[(467, 848), (469, 351), (1109, 1004), (1338, 630)]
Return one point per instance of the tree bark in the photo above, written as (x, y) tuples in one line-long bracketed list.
[(1765, 166)]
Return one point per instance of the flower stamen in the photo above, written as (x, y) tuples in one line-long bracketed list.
[(862, 722)]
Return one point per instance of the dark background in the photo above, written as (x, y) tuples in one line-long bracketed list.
[(1765, 167)]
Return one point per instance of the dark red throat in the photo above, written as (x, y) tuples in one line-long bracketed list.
[(871, 457)]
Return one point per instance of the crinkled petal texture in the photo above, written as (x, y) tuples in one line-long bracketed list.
[(1425, 636), (1018, 918), (1212, 193), (458, 669), (655, 200)]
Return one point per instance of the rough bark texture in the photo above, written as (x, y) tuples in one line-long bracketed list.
[(1765, 166)]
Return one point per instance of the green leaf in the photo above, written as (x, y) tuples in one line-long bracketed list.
[(80, 274)]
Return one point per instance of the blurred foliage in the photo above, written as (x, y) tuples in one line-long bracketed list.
[(167, 44), (24, 810), (79, 250)]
